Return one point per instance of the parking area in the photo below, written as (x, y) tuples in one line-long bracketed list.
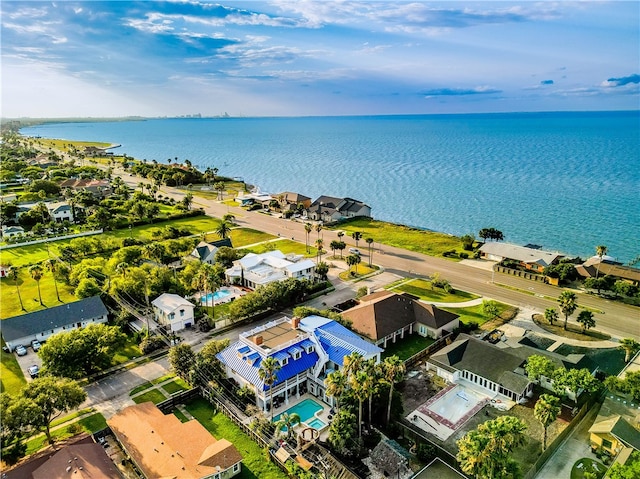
[(28, 360)]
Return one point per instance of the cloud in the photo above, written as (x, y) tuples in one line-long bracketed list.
[(546, 82), (622, 81), (480, 90)]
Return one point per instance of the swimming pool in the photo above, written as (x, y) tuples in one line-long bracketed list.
[(305, 409), (216, 296), (316, 424)]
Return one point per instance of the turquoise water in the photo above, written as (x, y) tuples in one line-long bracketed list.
[(567, 181), (217, 295), (305, 409), (316, 424)]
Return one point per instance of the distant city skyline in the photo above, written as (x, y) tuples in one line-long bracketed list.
[(298, 58)]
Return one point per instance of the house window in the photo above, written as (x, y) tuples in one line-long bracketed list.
[(284, 361), (172, 316), (181, 313), (309, 349), (607, 444), (236, 467), (296, 355)]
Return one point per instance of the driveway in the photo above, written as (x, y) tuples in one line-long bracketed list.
[(27, 361)]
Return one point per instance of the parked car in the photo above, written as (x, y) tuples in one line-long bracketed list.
[(33, 371), (20, 350), (354, 251), (35, 345)]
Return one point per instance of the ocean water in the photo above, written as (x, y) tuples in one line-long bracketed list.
[(565, 181)]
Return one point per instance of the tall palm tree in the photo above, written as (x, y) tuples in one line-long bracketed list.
[(373, 376), (318, 229), (393, 370), (546, 411), (319, 244), (630, 346), (229, 218), (52, 265), (354, 260), (356, 235), (307, 229), (223, 230), (601, 250), (360, 384), (268, 374), (336, 384), (568, 304), (15, 276), (36, 274), (352, 364), (370, 243)]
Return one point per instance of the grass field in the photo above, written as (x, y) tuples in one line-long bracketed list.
[(10, 303), (474, 313), (421, 241), (174, 387), (287, 246), (254, 463), (153, 395), (407, 347), (129, 351), (90, 424), (11, 377), (422, 289)]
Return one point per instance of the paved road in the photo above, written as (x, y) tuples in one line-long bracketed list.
[(617, 319)]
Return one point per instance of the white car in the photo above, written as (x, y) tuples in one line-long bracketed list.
[(354, 251), (35, 345), (21, 350), (33, 371)]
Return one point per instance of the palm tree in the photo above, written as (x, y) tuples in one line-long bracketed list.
[(14, 276), (223, 230), (629, 345), (354, 260), (318, 229), (546, 411), (122, 268), (551, 315), (142, 186), (373, 375), (360, 384), (267, 373), (229, 218), (336, 384), (356, 235), (568, 304), (52, 265), (288, 421), (187, 201), (36, 273), (334, 245), (351, 364), (393, 370), (319, 244), (307, 229), (585, 318), (601, 250), (370, 243)]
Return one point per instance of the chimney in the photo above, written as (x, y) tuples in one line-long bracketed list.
[(258, 340), (295, 322)]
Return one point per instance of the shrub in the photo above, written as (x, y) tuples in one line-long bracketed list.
[(426, 452), (151, 344), (464, 255), (131, 242)]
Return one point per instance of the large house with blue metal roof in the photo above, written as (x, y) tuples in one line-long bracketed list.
[(306, 349)]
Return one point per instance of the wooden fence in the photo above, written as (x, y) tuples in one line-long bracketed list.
[(520, 273), (437, 346)]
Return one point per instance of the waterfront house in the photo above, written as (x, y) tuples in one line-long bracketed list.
[(307, 350), (290, 201), (173, 311), (42, 324), (499, 370), (533, 259), (329, 209), (384, 316), (255, 270), (161, 446), (606, 266), (206, 251)]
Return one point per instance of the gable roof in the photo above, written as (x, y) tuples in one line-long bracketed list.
[(382, 313), (52, 318), (291, 197), (206, 248), (87, 461), (520, 253), (164, 447), (170, 302), (607, 269), (617, 426)]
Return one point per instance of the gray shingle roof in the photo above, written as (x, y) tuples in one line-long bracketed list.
[(33, 323)]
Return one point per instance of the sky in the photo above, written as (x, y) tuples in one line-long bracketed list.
[(311, 57)]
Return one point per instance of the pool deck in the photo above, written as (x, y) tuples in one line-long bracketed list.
[(322, 415), (233, 294)]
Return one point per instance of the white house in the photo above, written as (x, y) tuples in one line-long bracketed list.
[(41, 325), (12, 231), (174, 311), (255, 270), (61, 211)]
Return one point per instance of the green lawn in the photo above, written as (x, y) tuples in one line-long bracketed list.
[(10, 303), (422, 289), (140, 388), (11, 377), (245, 236), (180, 416), (90, 424), (475, 314), (421, 241), (254, 464), (129, 351), (174, 387), (362, 270), (162, 379), (287, 246), (70, 417), (153, 395), (407, 347)]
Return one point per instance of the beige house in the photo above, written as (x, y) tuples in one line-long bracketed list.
[(161, 446)]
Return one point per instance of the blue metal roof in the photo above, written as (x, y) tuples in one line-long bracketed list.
[(307, 343), (293, 350), (244, 349), (339, 342), (280, 355), (249, 372)]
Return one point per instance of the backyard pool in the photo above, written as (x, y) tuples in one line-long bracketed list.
[(316, 424), (216, 296), (306, 410)]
